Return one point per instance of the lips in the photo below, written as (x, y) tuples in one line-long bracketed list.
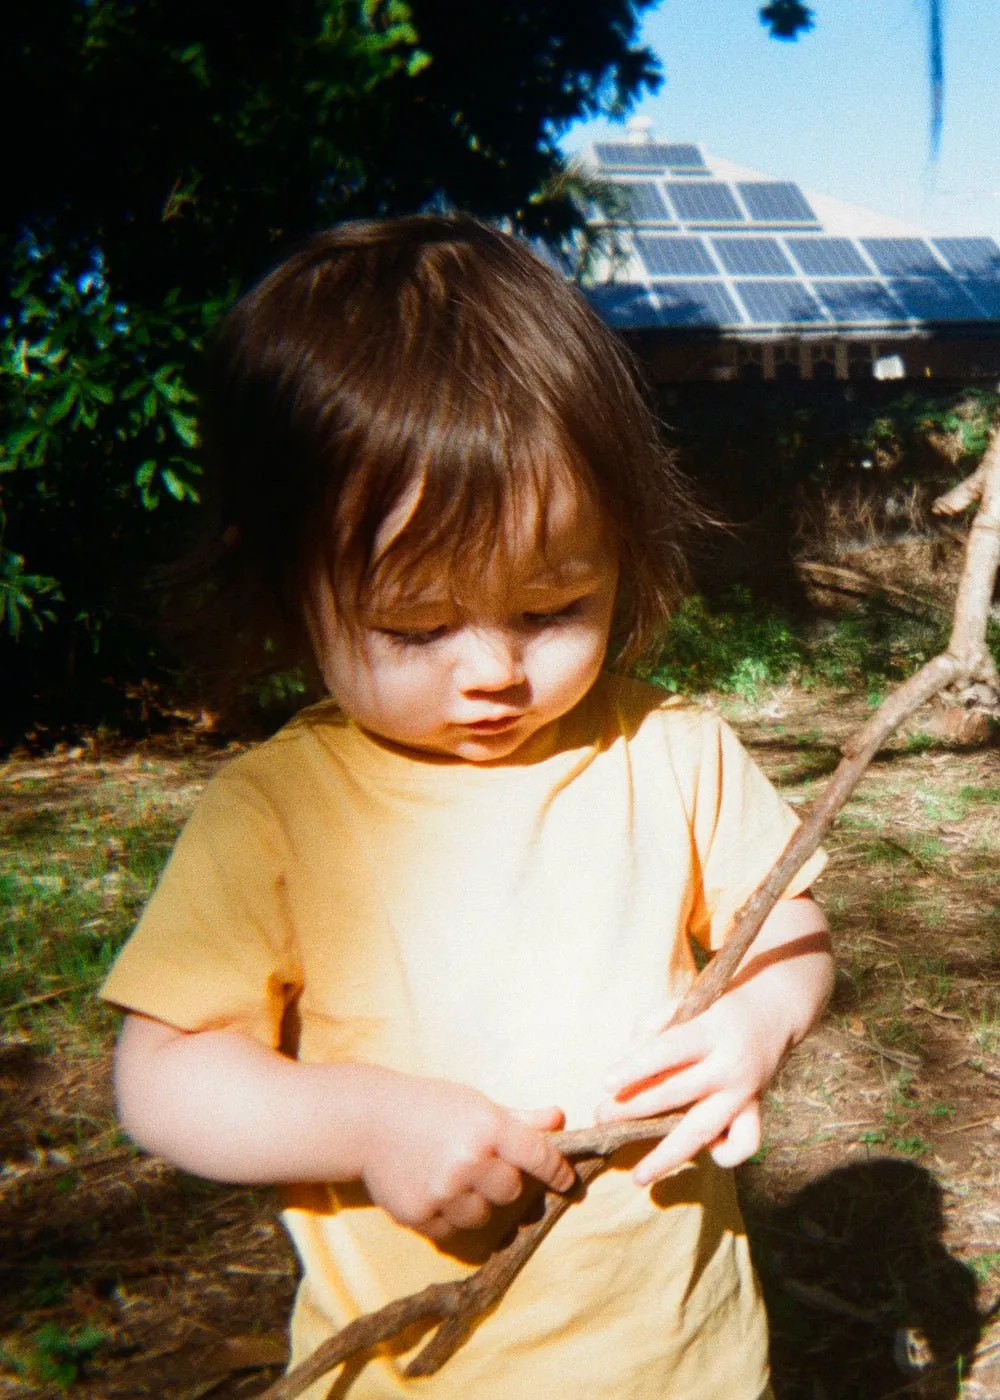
[(493, 726)]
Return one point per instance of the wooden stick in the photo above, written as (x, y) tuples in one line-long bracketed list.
[(457, 1306)]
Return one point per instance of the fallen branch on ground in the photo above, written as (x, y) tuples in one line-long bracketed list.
[(966, 661)]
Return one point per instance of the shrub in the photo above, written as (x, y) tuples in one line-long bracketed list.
[(740, 646)]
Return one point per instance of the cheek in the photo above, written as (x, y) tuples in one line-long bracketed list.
[(572, 659)]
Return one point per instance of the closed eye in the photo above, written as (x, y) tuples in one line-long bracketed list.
[(554, 615), (412, 639)]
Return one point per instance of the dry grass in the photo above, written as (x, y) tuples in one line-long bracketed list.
[(874, 1209)]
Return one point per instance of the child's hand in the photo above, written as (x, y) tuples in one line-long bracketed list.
[(440, 1156), (717, 1065)]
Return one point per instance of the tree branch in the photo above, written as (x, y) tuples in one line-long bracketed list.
[(457, 1306)]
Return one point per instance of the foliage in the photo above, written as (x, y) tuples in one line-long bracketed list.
[(787, 19), (874, 649), (778, 439), (56, 1356), (738, 647), (739, 644), (88, 382), (174, 152), (191, 146)]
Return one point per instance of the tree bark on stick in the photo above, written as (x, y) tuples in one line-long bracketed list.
[(456, 1307)]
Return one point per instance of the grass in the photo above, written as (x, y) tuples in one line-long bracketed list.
[(904, 1071), (53, 1355), (739, 645), (74, 874)]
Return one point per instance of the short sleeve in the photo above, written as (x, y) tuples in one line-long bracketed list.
[(741, 827), (214, 945)]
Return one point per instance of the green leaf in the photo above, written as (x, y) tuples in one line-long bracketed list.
[(185, 427), (419, 60), (58, 411)]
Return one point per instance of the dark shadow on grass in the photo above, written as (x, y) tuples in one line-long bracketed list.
[(864, 1299)]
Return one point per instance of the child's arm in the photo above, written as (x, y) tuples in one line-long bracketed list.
[(717, 1065), (436, 1155)]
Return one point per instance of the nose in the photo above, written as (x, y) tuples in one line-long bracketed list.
[(491, 660)]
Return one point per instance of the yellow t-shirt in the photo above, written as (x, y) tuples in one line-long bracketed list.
[(504, 926)]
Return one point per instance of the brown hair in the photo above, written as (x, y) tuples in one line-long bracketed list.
[(426, 349)]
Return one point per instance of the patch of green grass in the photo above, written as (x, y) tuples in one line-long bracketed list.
[(873, 649), (73, 882), (912, 1146), (986, 1026), (972, 794), (872, 1137), (54, 1355), (887, 903), (899, 1032), (935, 978), (985, 1266), (738, 646), (918, 742), (943, 808)]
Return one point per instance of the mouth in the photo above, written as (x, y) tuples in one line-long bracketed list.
[(493, 726)]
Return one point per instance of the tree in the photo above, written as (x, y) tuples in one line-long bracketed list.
[(170, 152)]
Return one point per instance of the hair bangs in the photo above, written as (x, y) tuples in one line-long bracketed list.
[(445, 480)]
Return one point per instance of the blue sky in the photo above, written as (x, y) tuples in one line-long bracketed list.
[(844, 110)]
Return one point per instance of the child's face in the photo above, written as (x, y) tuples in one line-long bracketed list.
[(475, 679)]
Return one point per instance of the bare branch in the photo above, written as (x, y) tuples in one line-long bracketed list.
[(960, 497), (457, 1306)]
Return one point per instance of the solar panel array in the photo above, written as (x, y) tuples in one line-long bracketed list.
[(650, 155), (708, 252)]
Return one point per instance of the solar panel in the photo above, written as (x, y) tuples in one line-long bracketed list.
[(782, 302), (710, 201), (858, 301), (976, 255), (937, 298), (901, 257), (645, 155), (624, 305), (696, 304), (686, 156), (776, 201), (827, 257), (760, 257), (675, 257), (986, 292), (643, 203)]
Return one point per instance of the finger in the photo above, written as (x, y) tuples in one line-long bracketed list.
[(532, 1152), (546, 1120), (498, 1182), (435, 1227), (742, 1138), (467, 1212), (671, 1050), (674, 1091), (700, 1127)]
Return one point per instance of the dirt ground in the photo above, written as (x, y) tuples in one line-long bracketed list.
[(874, 1208)]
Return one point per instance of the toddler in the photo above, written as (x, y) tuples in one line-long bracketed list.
[(448, 909)]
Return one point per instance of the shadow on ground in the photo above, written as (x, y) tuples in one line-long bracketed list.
[(864, 1299)]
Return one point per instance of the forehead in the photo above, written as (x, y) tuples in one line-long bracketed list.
[(550, 536)]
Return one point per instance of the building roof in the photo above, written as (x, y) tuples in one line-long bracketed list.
[(711, 246)]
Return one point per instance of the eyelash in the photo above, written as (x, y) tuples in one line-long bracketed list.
[(533, 619)]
